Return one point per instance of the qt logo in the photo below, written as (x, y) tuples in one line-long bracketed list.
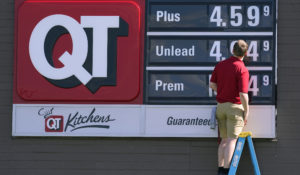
[(93, 61), (54, 124)]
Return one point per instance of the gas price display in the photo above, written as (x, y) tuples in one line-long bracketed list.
[(186, 39)]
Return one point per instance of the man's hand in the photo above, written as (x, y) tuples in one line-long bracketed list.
[(213, 86), (244, 100), (246, 114)]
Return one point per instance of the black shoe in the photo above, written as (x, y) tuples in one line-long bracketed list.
[(226, 171), (221, 171)]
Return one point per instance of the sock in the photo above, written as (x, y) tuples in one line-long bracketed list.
[(226, 170), (220, 170)]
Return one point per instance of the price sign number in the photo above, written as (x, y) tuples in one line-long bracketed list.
[(254, 83), (252, 49), (216, 17), (215, 51), (255, 48), (236, 15)]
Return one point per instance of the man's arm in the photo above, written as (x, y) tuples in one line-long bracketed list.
[(244, 99), (213, 86)]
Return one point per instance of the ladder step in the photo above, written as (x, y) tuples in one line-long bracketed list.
[(238, 153), (253, 156)]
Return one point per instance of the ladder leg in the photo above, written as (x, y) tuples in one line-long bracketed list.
[(237, 155), (253, 156)]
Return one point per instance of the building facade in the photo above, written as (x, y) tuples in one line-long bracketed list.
[(152, 155)]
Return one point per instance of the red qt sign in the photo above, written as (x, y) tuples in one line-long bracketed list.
[(54, 124), (79, 51)]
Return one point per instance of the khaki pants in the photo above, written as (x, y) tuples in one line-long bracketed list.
[(230, 119)]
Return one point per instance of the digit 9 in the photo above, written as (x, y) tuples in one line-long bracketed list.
[(266, 46)]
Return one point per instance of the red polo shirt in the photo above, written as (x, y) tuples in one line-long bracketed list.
[(231, 77)]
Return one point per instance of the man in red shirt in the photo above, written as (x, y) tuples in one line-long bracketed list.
[(230, 80)]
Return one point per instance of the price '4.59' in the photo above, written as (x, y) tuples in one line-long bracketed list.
[(236, 15)]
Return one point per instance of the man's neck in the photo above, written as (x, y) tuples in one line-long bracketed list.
[(241, 58)]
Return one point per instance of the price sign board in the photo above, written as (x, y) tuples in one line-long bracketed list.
[(186, 39), (137, 68)]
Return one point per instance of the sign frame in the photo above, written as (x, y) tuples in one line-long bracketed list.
[(138, 116)]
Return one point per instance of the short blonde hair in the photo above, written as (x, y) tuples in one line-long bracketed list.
[(240, 48)]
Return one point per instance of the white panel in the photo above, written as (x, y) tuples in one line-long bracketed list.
[(117, 120), (209, 33), (132, 120), (261, 121), (179, 121), (200, 68)]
